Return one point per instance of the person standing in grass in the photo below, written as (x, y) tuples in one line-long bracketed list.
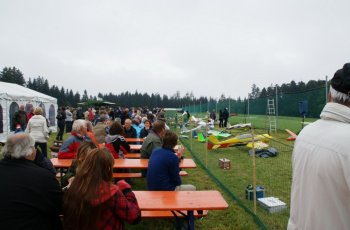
[(320, 196), (61, 122), (37, 128)]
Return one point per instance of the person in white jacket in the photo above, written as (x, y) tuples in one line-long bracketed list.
[(37, 128), (320, 197)]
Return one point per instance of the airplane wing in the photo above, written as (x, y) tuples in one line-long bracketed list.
[(257, 145), (292, 136)]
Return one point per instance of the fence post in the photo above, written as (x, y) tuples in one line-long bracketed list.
[(326, 89)]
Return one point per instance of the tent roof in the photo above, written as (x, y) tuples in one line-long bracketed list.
[(12, 91)]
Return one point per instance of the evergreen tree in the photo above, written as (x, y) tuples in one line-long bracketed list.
[(12, 75)]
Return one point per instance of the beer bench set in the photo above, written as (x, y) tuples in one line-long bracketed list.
[(181, 205)]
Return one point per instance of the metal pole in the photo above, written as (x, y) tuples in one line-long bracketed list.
[(276, 108), (206, 147), (326, 89), (254, 168), (229, 105), (200, 106), (248, 109)]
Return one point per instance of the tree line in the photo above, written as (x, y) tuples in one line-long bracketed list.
[(68, 97)]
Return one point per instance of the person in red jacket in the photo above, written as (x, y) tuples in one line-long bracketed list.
[(94, 202), (70, 146)]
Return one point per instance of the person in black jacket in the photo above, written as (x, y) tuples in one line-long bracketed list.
[(221, 119), (145, 130), (225, 116), (30, 196), (61, 122), (129, 131)]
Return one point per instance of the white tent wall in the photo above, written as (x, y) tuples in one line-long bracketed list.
[(16, 95)]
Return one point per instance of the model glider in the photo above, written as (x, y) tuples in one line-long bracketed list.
[(244, 139), (239, 126), (292, 136), (219, 134)]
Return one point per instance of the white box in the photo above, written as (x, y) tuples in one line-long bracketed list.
[(272, 204)]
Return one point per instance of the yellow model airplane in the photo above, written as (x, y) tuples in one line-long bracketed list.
[(244, 139)]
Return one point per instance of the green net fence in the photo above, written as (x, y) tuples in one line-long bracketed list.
[(274, 174), (286, 104)]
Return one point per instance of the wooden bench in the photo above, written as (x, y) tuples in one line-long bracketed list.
[(137, 175), (133, 155), (169, 214), (127, 175), (169, 201)]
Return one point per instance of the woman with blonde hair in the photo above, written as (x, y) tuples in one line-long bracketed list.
[(37, 128), (83, 150), (94, 202)]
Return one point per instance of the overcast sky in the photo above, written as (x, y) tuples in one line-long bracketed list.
[(159, 46)]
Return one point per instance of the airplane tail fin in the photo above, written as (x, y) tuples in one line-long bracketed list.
[(201, 137), (212, 142), (213, 139)]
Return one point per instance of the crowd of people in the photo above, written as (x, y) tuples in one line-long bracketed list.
[(32, 198), (88, 196)]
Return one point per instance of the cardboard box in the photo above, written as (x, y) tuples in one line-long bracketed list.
[(272, 204), (260, 192), (224, 163)]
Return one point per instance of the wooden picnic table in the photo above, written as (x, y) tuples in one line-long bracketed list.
[(181, 200), (123, 163), (133, 140)]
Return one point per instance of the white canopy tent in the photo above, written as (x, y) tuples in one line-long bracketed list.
[(13, 95)]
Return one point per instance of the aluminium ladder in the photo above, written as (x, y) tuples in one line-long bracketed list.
[(271, 123)]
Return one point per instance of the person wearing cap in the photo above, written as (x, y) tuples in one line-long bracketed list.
[(320, 194)]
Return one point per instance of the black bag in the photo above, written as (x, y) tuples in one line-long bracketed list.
[(59, 116)]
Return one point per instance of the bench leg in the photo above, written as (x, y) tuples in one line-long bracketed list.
[(190, 219), (178, 221)]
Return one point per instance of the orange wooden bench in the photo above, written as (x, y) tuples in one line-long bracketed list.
[(127, 175), (137, 175), (169, 214), (168, 201), (132, 155)]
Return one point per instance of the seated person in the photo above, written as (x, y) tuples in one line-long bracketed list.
[(94, 202), (129, 131), (30, 196), (115, 142), (70, 146), (90, 133), (163, 167), (145, 130), (153, 140), (136, 126), (100, 128), (82, 152)]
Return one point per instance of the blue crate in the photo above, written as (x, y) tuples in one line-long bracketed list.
[(260, 192)]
